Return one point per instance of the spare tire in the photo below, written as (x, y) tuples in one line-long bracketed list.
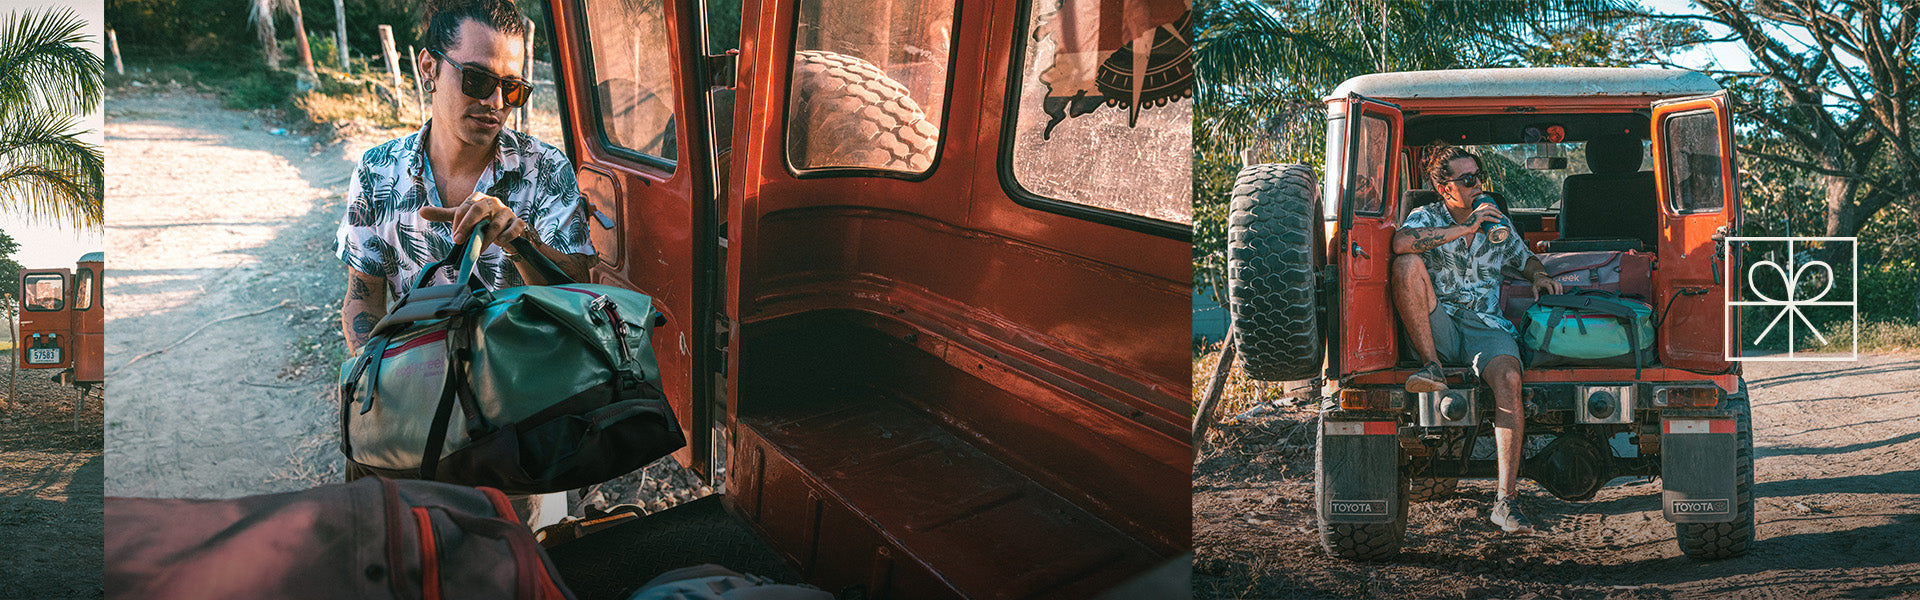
[(1271, 235), (847, 113)]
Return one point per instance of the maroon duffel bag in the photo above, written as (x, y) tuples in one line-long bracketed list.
[(372, 538), (1628, 272)]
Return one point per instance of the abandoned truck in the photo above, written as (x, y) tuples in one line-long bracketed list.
[(1622, 182), (924, 266)]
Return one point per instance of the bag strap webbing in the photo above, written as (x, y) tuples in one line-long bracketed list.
[(449, 396)]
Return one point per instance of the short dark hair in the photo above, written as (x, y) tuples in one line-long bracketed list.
[(442, 24), (1439, 154)]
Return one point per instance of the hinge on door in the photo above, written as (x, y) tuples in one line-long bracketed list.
[(723, 69)]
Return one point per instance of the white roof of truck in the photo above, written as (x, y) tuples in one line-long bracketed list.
[(1533, 81)]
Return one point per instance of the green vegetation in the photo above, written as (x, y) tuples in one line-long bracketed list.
[(47, 80), (1829, 141)]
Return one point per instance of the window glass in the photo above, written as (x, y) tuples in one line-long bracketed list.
[(83, 290), (45, 291), (1693, 162), (868, 85), (1336, 157), (1371, 178), (1098, 127), (633, 75), (1536, 189)]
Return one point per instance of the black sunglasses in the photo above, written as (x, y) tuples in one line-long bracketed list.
[(479, 84), (1470, 179)]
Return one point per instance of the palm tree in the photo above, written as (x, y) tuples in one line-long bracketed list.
[(46, 79)]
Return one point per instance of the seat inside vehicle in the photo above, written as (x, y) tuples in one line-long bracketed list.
[(1616, 200)]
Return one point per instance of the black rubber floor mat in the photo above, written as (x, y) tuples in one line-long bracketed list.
[(611, 564)]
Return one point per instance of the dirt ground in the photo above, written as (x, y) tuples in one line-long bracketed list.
[(224, 297), (1837, 448), (50, 484)]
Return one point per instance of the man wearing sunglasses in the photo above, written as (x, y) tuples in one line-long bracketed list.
[(1446, 287), (412, 199)]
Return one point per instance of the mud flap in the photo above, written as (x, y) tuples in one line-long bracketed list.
[(1697, 469), (1361, 472)]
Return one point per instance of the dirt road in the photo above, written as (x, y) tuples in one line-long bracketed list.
[(50, 481), (1837, 449), (223, 297)]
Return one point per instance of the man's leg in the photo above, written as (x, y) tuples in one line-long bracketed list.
[(1509, 420), (1413, 299), (1502, 373)]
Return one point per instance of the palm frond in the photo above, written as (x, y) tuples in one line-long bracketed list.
[(43, 65), (50, 173)]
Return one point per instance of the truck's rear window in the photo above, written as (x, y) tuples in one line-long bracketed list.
[(868, 84), (44, 291), (1072, 143), (632, 74)]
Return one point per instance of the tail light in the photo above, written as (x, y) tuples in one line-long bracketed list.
[(1690, 396), (1372, 399)]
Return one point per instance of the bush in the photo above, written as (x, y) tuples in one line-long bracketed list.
[(259, 89)]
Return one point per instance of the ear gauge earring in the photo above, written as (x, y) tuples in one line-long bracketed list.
[(428, 84)]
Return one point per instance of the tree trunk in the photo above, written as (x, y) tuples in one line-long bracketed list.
[(300, 35)]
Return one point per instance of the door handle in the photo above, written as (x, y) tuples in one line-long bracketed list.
[(1357, 251)]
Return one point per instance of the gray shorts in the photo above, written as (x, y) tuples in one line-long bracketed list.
[(1469, 341)]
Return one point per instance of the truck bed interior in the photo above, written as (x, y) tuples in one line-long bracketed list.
[(918, 469)]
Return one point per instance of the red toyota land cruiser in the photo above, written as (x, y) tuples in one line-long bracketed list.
[(925, 266), (1309, 268)]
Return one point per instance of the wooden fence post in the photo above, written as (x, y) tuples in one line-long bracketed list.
[(340, 34), (113, 47), (393, 64)]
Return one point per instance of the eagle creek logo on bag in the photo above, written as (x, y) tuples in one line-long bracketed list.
[(1357, 507), (1790, 295), (1701, 507)]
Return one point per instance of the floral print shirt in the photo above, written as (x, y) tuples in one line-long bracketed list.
[(382, 233), (1466, 272)]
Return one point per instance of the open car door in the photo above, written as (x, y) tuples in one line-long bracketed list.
[(1699, 206), (637, 121), (1370, 141)]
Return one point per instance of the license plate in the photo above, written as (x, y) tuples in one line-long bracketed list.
[(43, 356)]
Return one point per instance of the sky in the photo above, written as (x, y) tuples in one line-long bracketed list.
[(43, 245)]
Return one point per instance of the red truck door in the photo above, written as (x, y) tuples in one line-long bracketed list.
[(46, 320), (637, 133), (1369, 141), (1699, 199), (89, 320)]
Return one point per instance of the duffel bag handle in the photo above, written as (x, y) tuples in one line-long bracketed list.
[(469, 250)]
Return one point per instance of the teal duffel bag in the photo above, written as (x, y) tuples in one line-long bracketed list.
[(1588, 329), (531, 389)]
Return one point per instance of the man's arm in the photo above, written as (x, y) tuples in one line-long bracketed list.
[(574, 265), (365, 305), (1414, 240)]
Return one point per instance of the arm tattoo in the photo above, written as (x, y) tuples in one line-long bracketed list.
[(363, 326), (1427, 238), (359, 290)]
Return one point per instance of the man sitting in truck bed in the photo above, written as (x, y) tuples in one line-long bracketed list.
[(1446, 285)]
